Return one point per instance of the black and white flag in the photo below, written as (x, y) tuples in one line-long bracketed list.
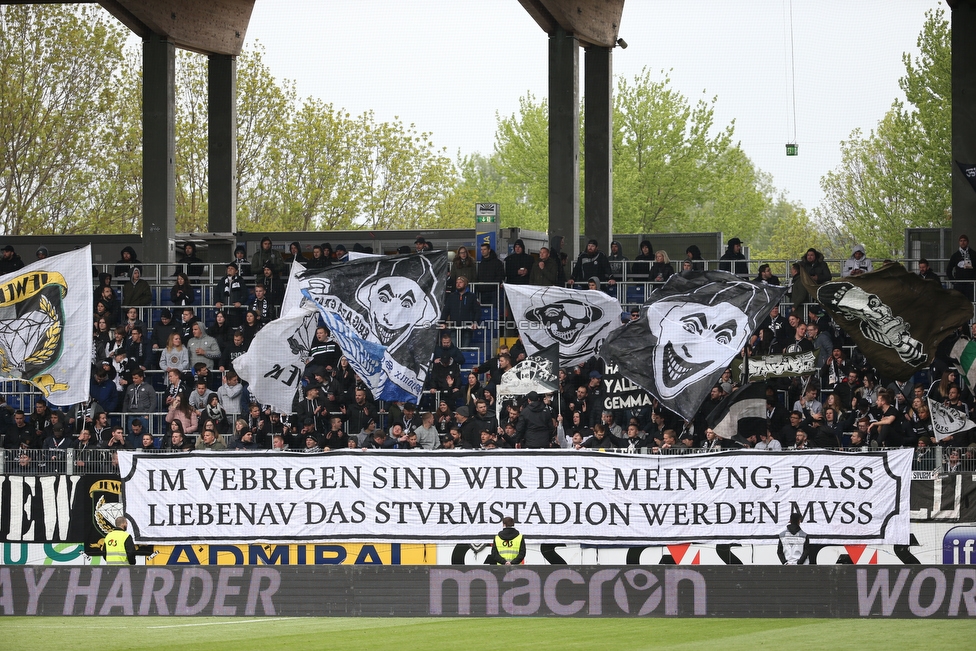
[(621, 393), (770, 366), (688, 332), (538, 372), (741, 412), (896, 318), (383, 313), (969, 171), (274, 362), (946, 421), (576, 320)]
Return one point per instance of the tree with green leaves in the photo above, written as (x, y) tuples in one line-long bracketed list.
[(900, 174), (670, 171), (60, 106)]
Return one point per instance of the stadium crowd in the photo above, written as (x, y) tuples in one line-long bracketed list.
[(168, 383)]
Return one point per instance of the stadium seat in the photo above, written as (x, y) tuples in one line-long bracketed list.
[(472, 357), (635, 294)]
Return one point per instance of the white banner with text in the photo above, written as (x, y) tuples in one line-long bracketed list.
[(584, 497)]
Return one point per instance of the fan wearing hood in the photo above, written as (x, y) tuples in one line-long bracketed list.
[(124, 265), (617, 259), (857, 264), (193, 265), (640, 270), (693, 254), (518, 265)]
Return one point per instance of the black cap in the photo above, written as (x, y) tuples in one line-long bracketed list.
[(420, 240), (532, 396), (165, 313), (340, 247), (734, 241), (8, 248)]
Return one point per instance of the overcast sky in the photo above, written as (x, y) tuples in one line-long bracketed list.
[(451, 66)]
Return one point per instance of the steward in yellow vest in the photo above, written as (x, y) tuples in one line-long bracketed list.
[(119, 548), (509, 547)]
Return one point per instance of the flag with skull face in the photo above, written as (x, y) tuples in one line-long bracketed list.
[(577, 320), (688, 332)]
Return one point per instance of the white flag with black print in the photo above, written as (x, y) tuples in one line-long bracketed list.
[(293, 299), (45, 326), (275, 361), (946, 421), (688, 332), (578, 321)]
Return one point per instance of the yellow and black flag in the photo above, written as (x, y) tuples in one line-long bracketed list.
[(45, 326)]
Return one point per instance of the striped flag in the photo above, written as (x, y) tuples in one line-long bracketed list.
[(964, 352)]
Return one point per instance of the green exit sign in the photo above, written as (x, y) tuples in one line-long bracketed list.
[(486, 219), (791, 149)]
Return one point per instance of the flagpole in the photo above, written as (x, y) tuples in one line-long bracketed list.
[(744, 375), (559, 393)]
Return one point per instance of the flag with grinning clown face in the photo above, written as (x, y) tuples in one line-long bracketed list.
[(688, 332), (381, 310), (576, 320)]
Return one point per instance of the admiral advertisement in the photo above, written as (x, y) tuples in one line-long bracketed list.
[(582, 497)]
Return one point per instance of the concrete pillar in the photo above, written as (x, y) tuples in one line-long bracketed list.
[(963, 24), (158, 150), (564, 139), (222, 152), (598, 145)]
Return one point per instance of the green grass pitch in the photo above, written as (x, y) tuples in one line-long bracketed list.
[(475, 634)]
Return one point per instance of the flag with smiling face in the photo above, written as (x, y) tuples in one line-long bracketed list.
[(383, 313), (688, 332)]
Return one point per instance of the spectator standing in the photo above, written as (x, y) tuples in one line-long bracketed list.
[(733, 260), (661, 270), (124, 266), (960, 269), (546, 271), (231, 292), (926, 272), (192, 265), (10, 261), (641, 268), (858, 264), (202, 347), (518, 265), (136, 292), (181, 293), (592, 262), (462, 311), (617, 259), (491, 272), (266, 254), (463, 265)]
